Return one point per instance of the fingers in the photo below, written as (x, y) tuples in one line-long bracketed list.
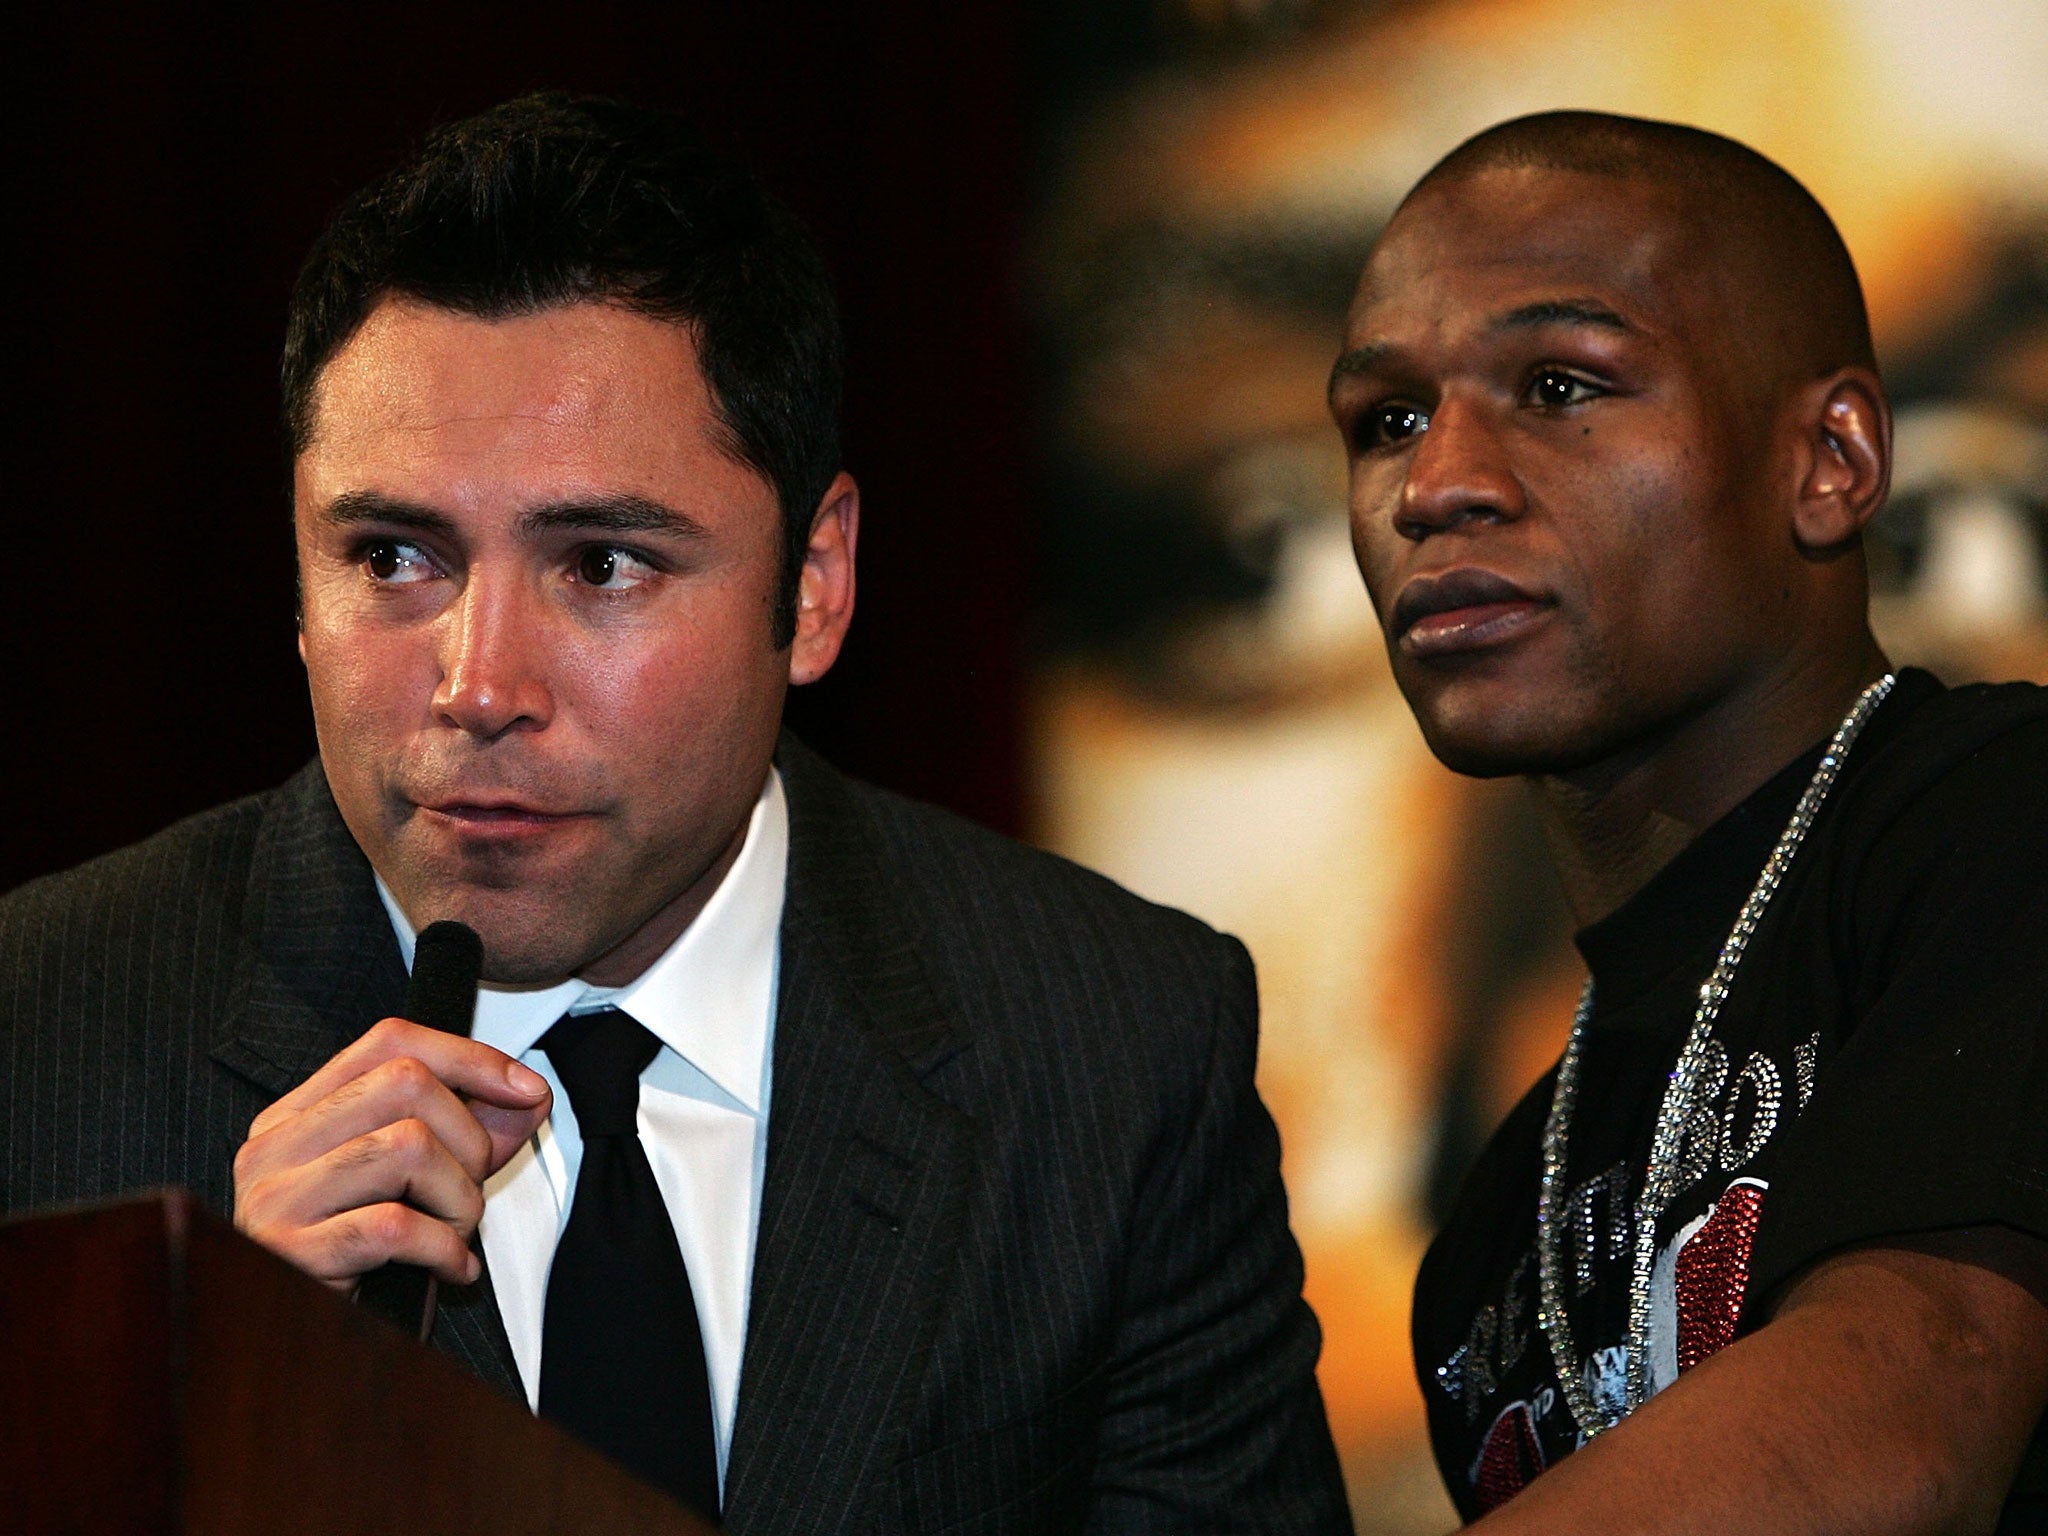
[(381, 1154), (401, 1089), (341, 1250), (458, 1064), (396, 1192), (466, 1066)]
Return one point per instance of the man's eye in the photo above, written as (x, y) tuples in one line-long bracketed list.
[(605, 565), (1393, 422), (393, 561), (1553, 387)]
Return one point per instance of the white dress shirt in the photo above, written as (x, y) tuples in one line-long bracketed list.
[(710, 1000)]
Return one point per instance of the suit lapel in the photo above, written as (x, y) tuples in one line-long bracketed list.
[(867, 1182), (318, 965)]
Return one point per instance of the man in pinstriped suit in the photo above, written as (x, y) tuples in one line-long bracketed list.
[(1011, 1253)]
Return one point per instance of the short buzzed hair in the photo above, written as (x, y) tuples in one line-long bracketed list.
[(1741, 194)]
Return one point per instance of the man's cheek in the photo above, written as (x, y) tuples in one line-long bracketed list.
[(1375, 564)]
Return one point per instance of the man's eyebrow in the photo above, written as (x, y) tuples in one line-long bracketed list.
[(611, 514), (605, 514), (1563, 312), (1357, 360), (371, 507), (1524, 317)]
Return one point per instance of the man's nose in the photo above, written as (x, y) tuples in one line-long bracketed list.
[(494, 649), (1459, 473)]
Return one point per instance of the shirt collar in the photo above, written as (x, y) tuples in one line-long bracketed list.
[(708, 997)]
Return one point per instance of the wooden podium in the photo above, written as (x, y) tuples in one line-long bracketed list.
[(159, 1373)]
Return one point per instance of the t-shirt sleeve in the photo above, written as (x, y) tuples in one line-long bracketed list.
[(1930, 1104)]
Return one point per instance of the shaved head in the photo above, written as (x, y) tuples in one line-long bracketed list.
[(1785, 272), (1614, 432)]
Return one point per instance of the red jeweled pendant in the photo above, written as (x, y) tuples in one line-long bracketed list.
[(1713, 1273)]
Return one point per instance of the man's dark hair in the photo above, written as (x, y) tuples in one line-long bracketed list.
[(552, 200)]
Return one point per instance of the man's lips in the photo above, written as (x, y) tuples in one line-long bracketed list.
[(484, 816), (1462, 610)]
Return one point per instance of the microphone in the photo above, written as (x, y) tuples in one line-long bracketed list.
[(446, 961)]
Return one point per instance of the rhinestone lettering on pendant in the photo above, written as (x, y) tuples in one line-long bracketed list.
[(1664, 1178)]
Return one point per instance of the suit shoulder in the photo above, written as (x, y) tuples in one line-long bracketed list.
[(1025, 945), (192, 874), (944, 859)]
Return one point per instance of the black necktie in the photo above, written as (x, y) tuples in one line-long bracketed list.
[(622, 1357)]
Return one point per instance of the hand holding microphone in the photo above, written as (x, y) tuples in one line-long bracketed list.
[(382, 1153)]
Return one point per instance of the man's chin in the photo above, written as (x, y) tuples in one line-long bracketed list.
[(1491, 723), (1487, 759), (517, 967), (1499, 746), (523, 947)]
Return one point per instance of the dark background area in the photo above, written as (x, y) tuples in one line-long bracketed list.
[(171, 165)]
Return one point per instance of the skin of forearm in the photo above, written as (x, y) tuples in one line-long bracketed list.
[(1892, 1391)]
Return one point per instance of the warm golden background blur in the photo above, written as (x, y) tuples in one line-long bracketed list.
[(1212, 719)]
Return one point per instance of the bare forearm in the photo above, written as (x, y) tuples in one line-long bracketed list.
[(1880, 1399)]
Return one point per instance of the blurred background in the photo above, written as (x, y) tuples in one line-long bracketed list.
[(1095, 256)]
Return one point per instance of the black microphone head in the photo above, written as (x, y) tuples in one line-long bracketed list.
[(446, 961)]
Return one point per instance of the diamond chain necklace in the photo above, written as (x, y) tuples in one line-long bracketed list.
[(1661, 1178)]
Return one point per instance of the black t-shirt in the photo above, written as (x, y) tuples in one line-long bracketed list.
[(1880, 1069)]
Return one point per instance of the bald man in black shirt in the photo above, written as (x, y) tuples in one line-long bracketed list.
[(1768, 1250)]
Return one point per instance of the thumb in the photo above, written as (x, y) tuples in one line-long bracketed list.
[(510, 1126)]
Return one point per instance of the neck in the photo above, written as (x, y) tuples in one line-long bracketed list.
[(1614, 824)]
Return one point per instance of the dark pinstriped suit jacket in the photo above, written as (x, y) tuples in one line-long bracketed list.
[(1023, 1260)]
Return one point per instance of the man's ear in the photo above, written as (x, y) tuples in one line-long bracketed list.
[(1845, 461), (824, 595)]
